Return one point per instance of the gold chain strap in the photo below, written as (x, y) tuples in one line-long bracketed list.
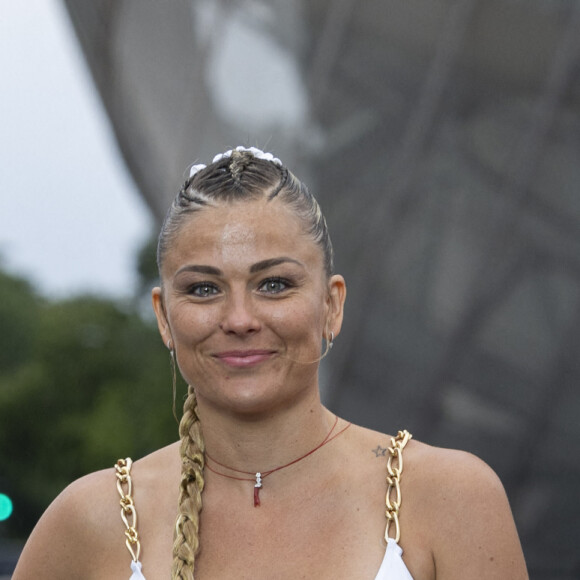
[(128, 511), (393, 499)]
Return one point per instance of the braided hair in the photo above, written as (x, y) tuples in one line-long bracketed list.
[(237, 175)]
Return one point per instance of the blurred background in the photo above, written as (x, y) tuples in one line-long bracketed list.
[(442, 139)]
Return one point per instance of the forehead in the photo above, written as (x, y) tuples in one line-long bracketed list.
[(240, 233)]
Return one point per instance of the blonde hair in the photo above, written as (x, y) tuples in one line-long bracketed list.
[(186, 540), (241, 176)]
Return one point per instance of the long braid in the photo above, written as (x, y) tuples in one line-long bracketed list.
[(242, 174), (186, 541)]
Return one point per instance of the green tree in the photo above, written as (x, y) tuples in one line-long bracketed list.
[(83, 382)]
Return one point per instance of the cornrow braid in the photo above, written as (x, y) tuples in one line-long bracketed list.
[(245, 174), (239, 162), (283, 181), (236, 175), (186, 540)]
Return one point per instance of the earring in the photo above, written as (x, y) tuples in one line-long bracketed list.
[(173, 377), (330, 341)]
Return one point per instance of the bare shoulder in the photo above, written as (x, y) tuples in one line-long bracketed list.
[(81, 534), (450, 470), (459, 503), (71, 530), (432, 470)]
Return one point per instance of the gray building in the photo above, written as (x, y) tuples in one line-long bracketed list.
[(443, 141)]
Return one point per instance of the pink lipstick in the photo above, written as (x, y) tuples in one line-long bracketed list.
[(243, 358)]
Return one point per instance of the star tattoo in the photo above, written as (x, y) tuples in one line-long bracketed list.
[(380, 451)]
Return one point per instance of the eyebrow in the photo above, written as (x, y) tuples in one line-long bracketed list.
[(265, 264), (201, 269), (257, 267)]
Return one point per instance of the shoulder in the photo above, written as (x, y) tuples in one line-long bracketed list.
[(436, 481), (450, 472), (72, 529), (81, 534), (455, 518), (452, 487), (459, 503), (74, 510), (433, 473)]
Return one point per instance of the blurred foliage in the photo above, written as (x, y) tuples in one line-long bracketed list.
[(147, 266), (83, 381)]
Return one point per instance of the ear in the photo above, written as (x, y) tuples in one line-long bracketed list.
[(336, 299), (161, 315)]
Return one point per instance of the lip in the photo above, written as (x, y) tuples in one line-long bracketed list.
[(244, 358)]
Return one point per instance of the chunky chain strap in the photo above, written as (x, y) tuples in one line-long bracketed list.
[(393, 498), (128, 511), (394, 471)]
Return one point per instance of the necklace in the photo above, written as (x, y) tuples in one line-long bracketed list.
[(261, 475)]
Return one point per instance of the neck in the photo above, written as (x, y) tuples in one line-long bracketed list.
[(260, 443)]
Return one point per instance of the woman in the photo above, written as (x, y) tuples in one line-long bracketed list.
[(288, 490)]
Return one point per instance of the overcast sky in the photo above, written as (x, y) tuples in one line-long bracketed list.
[(70, 216)]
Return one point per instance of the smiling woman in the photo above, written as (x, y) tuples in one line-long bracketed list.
[(247, 299), (232, 299)]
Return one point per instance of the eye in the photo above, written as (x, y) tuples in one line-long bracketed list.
[(274, 285), (203, 290)]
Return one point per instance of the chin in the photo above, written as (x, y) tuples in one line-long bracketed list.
[(250, 400)]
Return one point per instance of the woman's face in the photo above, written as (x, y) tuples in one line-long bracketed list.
[(245, 303)]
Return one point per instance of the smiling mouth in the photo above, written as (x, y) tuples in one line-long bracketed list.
[(242, 359)]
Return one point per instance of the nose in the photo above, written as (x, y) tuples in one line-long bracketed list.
[(239, 315)]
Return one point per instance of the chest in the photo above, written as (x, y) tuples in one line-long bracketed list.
[(321, 536)]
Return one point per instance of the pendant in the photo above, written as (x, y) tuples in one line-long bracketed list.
[(257, 487)]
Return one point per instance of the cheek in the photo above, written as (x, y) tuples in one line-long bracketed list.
[(191, 325), (191, 328), (304, 323)]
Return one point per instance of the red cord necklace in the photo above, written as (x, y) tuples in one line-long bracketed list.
[(261, 475)]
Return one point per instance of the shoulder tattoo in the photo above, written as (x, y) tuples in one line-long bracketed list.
[(379, 451)]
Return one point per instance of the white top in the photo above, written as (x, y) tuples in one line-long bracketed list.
[(392, 566), (137, 574)]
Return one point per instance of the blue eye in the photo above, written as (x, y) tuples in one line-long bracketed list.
[(274, 285), (203, 290)]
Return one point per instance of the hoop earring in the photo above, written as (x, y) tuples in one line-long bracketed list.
[(329, 344)]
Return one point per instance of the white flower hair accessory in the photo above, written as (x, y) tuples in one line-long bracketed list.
[(195, 168), (257, 153)]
